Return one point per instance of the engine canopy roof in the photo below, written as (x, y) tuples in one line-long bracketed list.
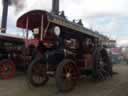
[(34, 18)]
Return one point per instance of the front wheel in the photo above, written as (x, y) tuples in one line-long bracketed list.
[(37, 73), (66, 75)]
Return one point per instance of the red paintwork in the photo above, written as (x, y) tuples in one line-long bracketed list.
[(3, 65), (29, 42), (34, 21), (34, 18)]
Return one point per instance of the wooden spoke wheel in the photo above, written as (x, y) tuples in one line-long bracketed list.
[(66, 75), (36, 74), (7, 69), (103, 66)]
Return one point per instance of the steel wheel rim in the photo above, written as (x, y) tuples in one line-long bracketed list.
[(7, 69), (39, 73), (68, 75)]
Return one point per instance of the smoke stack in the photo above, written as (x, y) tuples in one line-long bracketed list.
[(4, 15), (55, 7)]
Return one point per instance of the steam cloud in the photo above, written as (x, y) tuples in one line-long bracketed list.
[(18, 4)]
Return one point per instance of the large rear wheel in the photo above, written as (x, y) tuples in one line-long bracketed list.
[(66, 75), (103, 65), (37, 73)]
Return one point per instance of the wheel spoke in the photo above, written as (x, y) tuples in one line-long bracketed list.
[(67, 68), (101, 76), (1, 68)]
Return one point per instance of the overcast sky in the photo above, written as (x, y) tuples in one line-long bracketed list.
[(109, 17)]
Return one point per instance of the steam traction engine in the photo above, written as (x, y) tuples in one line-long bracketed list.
[(14, 52), (8, 48), (15, 55), (63, 49)]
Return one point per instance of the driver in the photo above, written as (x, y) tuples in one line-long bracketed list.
[(36, 32)]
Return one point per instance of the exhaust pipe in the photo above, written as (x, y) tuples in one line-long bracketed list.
[(4, 15), (55, 7)]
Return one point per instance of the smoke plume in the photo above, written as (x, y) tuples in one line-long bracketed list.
[(18, 4)]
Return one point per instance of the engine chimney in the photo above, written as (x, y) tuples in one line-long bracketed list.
[(55, 7), (4, 15)]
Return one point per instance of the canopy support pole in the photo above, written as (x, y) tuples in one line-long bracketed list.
[(46, 29), (42, 28), (27, 22)]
